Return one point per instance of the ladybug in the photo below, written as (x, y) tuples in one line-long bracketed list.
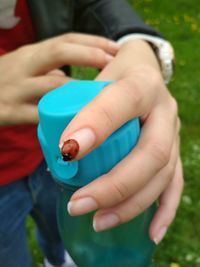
[(69, 149)]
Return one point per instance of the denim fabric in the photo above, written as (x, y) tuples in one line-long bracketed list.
[(35, 195)]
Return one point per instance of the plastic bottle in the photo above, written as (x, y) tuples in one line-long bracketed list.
[(127, 245)]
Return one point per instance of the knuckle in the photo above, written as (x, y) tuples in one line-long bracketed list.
[(172, 216), (97, 55), (174, 105), (119, 189), (171, 170), (133, 92), (106, 117), (160, 152), (57, 49), (155, 77), (102, 42), (170, 213), (138, 206), (55, 81)]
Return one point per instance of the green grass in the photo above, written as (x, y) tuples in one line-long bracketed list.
[(179, 21)]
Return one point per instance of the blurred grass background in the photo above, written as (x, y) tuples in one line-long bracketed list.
[(178, 21)]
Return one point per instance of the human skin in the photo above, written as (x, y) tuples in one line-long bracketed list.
[(119, 195), (32, 70)]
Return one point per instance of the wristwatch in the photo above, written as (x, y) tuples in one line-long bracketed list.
[(163, 50)]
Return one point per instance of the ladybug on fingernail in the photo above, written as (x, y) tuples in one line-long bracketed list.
[(69, 149)]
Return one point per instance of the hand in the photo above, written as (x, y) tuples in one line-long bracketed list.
[(30, 71), (153, 168)]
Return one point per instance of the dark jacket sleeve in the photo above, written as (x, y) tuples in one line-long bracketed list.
[(110, 18)]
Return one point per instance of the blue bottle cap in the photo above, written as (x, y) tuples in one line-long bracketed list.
[(56, 109)]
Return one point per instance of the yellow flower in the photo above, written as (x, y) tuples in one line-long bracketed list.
[(194, 27), (174, 264), (187, 18)]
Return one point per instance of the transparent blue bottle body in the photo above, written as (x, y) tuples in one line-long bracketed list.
[(127, 245)]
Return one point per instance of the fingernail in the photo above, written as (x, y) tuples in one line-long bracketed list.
[(78, 143), (109, 58), (81, 206), (160, 235), (105, 221), (114, 45)]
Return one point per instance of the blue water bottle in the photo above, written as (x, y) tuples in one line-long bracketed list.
[(127, 245)]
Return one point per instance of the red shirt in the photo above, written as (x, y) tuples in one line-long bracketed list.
[(19, 146)]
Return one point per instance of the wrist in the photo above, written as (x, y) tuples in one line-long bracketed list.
[(133, 55), (140, 53), (163, 50)]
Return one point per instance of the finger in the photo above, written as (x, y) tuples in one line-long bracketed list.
[(96, 121), (34, 88), (109, 46), (168, 205), (53, 55), (136, 204), (19, 114), (56, 72), (150, 155)]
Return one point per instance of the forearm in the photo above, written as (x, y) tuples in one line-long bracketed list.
[(132, 55)]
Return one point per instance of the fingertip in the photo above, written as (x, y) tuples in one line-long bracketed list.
[(81, 206), (113, 47), (109, 58), (160, 235), (77, 144), (105, 221), (162, 219), (56, 72)]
